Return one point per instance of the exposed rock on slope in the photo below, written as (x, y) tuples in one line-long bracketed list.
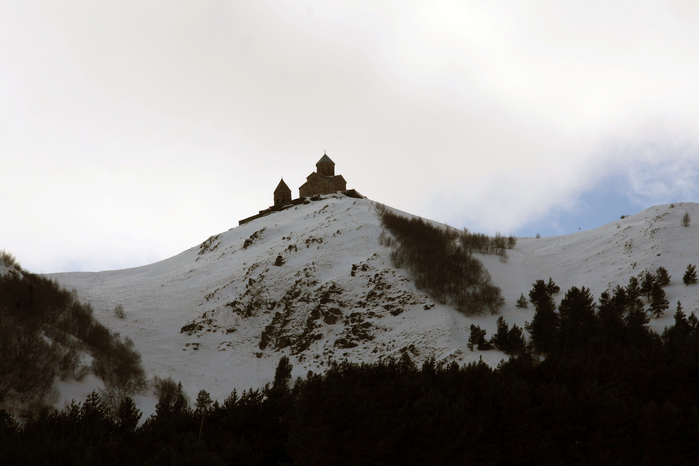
[(312, 282)]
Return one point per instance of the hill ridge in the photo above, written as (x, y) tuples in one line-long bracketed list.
[(220, 314)]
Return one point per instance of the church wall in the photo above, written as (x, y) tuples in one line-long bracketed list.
[(316, 185)]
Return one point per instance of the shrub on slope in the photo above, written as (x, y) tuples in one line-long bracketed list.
[(441, 262), (43, 328)]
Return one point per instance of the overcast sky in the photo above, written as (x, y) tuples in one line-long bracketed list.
[(133, 130)]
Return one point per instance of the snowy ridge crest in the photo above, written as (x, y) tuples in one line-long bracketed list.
[(313, 283)]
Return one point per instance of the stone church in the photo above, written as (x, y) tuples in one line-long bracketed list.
[(322, 181)]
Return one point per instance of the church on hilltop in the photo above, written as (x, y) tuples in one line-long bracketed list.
[(322, 181)]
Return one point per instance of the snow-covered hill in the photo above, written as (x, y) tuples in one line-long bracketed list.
[(312, 282)]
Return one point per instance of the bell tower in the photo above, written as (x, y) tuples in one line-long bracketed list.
[(282, 195), (325, 166)]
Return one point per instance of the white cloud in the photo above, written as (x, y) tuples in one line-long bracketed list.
[(136, 129), (661, 171)]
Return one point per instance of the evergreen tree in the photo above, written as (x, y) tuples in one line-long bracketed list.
[(619, 297), (522, 302), (610, 312), (172, 402), (662, 277), (633, 290), (635, 325), (127, 416), (502, 335), (516, 343), (181, 404), (693, 322), (282, 374), (93, 420), (94, 410), (477, 339), (8, 425), (577, 316), (545, 324), (686, 220), (681, 322), (203, 402), (675, 337), (647, 283), (202, 406), (658, 301), (690, 275), (231, 401), (552, 288), (541, 293), (509, 341)]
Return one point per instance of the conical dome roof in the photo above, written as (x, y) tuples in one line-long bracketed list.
[(325, 158), (282, 187)]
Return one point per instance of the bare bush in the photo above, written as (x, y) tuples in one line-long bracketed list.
[(42, 337), (163, 387), (441, 262), (511, 242), (170, 395), (27, 363), (119, 312), (8, 259), (119, 366)]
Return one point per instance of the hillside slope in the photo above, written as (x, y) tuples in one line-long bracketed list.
[(220, 315)]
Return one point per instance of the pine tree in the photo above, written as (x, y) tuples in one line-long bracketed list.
[(522, 302), (516, 343), (619, 297), (676, 336), (647, 283), (203, 402), (127, 416), (690, 275), (577, 316), (681, 318), (477, 339), (94, 407), (95, 418), (541, 293), (202, 408), (181, 404), (686, 220), (633, 289), (693, 322), (610, 311), (171, 400), (658, 301), (501, 338), (282, 374), (544, 327), (662, 277), (552, 288)]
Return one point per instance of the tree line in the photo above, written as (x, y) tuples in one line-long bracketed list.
[(592, 384)]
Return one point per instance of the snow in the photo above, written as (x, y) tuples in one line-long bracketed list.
[(201, 286)]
